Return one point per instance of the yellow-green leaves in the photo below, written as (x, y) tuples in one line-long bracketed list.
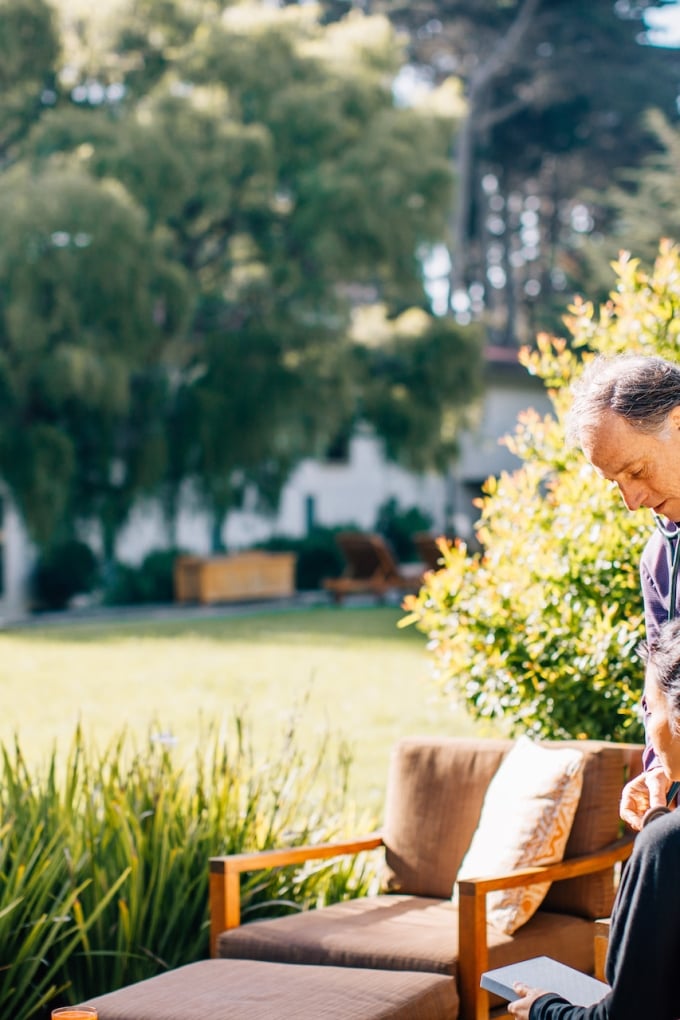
[(540, 629)]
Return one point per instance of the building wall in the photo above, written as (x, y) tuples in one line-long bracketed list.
[(326, 494), (482, 451), (352, 492)]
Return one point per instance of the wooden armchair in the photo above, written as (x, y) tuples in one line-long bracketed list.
[(371, 568), (435, 792)]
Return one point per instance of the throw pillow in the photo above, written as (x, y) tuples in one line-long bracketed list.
[(526, 817)]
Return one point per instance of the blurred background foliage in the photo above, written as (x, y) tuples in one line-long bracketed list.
[(231, 231), (198, 201)]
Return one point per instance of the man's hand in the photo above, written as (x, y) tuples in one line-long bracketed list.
[(647, 790)]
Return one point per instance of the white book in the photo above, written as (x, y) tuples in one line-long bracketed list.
[(548, 975)]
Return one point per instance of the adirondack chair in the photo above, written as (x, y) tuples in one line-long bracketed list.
[(428, 549), (371, 568)]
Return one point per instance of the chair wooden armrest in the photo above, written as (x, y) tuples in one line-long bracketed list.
[(225, 886), (473, 954), (601, 944)]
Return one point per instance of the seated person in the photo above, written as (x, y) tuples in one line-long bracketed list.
[(644, 942)]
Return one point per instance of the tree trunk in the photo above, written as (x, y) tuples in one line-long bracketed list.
[(477, 118), (216, 541)]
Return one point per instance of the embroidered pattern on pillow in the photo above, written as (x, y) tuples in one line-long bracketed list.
[(526, 819)]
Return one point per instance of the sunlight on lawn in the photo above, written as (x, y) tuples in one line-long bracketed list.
[(348, 674)]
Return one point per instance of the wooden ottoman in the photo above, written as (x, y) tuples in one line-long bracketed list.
[(256, 990)]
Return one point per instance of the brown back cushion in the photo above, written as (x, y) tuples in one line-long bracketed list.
[(596, 824), (435, 791)]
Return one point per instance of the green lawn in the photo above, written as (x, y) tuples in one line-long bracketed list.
[(348, 672)]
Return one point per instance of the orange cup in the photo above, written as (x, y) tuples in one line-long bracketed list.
[(75, 1013)]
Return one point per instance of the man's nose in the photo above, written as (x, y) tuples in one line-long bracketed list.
[(633, 495)]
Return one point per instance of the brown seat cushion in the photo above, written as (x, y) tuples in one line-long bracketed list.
[(240, 989), (392, 932)]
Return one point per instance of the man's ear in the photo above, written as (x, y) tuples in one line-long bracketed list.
[(674, 417)]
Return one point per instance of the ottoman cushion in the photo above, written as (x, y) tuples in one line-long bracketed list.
[(253, 990)]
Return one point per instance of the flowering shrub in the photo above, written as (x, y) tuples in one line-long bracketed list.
[(539, 630)]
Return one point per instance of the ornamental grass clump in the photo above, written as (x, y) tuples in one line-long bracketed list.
[(40, 924), (104, 857)]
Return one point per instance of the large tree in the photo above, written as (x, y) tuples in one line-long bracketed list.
[(81, 285), (29, 58), (272, 173), (556, 93), (642, 205)]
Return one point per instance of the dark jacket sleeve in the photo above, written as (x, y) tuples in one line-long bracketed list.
[(644, 943)]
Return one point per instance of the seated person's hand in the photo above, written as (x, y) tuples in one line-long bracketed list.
[(521, 1007), (647, 790)]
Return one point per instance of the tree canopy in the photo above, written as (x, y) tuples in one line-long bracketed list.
[(641, 204), (556, 97), (220, 219), (212, 196)]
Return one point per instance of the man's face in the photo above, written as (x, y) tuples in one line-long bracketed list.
[(646, 468)]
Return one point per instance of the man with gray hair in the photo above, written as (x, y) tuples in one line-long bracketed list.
[(625, 416)]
